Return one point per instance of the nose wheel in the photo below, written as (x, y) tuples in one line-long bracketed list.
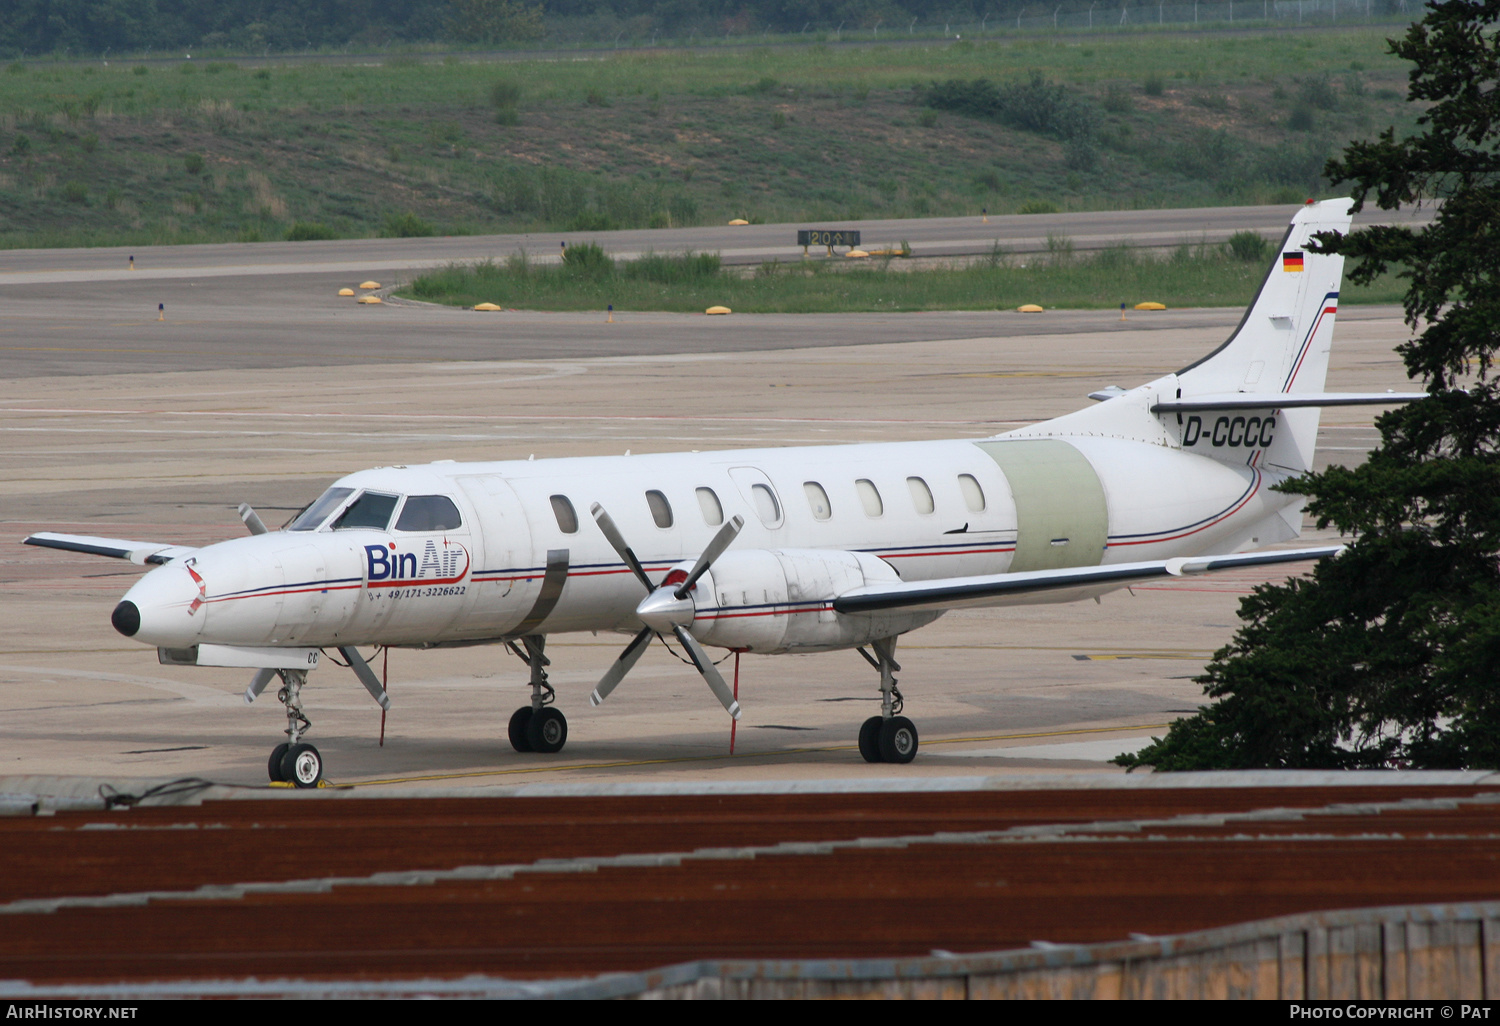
[(538, 727), (293, 762)]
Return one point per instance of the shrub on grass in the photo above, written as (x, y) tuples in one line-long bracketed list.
[(505, 93), (75, 192), (1248, 246), (309, 231), (673, 269), (21, 145), (406, 226), (1318, 91), (1153, 85), (587, 260), (90, 143), (596, 98), (193, 163), (140, 69), (1117, 100), (1037, 206), (1301, 119)]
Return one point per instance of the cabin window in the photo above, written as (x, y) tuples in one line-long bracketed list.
[(766, 506), (708, 502), (817, 498), (567, 518), (869, 496), (921, 495), (973, 494), (428, 513), (661, 509), (313, 516), (371, 511)]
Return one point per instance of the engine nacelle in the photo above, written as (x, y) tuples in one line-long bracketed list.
[(781, 600)]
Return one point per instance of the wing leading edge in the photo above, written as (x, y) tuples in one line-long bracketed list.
[(138, 552), (1001, 589)]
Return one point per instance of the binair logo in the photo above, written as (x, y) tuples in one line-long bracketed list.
[(1230, 432), (438, 563)]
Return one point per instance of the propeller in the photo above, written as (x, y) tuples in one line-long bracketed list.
[(252, 519), (667, 609)]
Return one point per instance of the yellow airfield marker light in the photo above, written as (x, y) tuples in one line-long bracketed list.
[(483, 306), (346, 292), (1122, 311), (369, 284), (1150, 306), (161, 311), (132, 263), (717, 310), (856, 254), (368, 299), (611, 314), (1029, 308), (737, 222), (984, 212)]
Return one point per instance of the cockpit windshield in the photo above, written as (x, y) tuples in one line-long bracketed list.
[(371, 511), (312, 518)]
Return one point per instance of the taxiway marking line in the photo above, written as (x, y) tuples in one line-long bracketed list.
[(721, 758)]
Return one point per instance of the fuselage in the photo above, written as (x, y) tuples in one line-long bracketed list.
[(420, 572)]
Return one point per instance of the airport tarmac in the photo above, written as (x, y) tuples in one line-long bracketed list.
[(166, 451)]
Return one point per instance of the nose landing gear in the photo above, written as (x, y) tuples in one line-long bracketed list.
[(293, 762), (889, 737), (538, 727)]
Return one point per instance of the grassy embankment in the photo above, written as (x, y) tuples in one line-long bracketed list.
[(219, 151), (1191, 276)]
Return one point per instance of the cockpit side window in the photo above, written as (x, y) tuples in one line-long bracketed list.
[(312, 518), (428, 513), (371, 511)]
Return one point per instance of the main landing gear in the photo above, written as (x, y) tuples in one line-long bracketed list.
[(293, 762), (889, 737), (538, 727)]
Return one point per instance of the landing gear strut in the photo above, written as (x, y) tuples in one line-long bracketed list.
[(538, 727), (889, 737), (293, 762)]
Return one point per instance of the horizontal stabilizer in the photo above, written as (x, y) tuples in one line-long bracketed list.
[(1000, 589), (138, 552), (1283, 400)]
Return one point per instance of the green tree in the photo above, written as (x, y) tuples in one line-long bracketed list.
[(493, 21), (1389, 655)]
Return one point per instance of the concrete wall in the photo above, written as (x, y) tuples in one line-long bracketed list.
[(1417, 952)]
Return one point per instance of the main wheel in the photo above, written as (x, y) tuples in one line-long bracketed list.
[(898, 740), (519, 721), (273, 767), (869, 739), (548, 731), (302, 766)]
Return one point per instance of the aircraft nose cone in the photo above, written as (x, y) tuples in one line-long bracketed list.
[(126, 618)]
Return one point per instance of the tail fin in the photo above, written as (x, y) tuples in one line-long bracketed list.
[(1283, 341)]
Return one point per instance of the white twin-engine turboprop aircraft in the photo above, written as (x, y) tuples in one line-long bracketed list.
[(767, 550)]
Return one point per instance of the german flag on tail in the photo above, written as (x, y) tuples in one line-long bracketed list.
[(1291, 261)]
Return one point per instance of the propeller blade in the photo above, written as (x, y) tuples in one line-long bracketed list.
[(622, 665), (366, 675), (258, 684), (715, 549), (252, 519), (710, 672), (617, 541)]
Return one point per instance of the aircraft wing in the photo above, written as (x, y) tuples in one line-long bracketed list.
[(138, 552), (1006, 589)]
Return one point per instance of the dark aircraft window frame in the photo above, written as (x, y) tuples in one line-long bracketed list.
[(973, 492), (921, 496), (713, 509), (429, 514), (661, 509), (313, 516), (817, 500), (567, 516), (370, 512)]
